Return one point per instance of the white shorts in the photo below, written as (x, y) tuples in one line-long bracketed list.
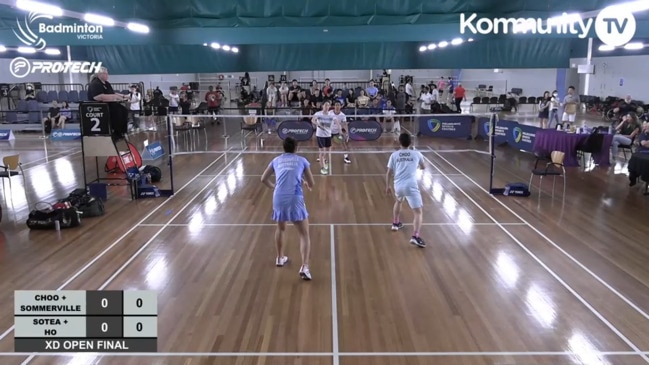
[(568, 117), (410, 194)]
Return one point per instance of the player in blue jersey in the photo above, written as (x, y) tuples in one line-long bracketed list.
[(403, 164), (291, 171)]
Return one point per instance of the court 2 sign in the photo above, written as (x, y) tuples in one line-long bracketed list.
[(31, 32), (615, 25)]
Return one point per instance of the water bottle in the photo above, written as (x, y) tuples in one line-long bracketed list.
[(57, 225)]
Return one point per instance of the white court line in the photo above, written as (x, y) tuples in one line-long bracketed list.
[(143, 247), (50, 158), (328, 354), (555, 245), (546, 267), (315, 224), (105, 251), (339, 175), (334, 300)]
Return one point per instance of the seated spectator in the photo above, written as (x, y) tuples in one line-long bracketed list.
[(643, 145), (625, 132), (350, 99), (372, 90), (339, 97), (54, 118), (306, 110), (376, 108), (389, 111), (66, 112), (294, 92), (327, 90), (625, 106), (363, 101), (316, 99)]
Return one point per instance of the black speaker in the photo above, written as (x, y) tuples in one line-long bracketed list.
[(193, 85), (282, 78), (271, 78), (4, 90), (38, 86)]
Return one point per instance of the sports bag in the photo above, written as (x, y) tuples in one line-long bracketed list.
[(86, 204), (154, 172), (45, 219)]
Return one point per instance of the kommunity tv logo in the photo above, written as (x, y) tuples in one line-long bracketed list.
[(31, 31), (615, 25)]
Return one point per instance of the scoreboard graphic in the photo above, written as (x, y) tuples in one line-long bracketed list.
[(85, 321)]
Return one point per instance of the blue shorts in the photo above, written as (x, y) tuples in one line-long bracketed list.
[(410, 194), (289, 208)]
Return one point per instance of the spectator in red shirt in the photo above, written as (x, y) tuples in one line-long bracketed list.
[(213, 99), (460, 96), (327, 90)]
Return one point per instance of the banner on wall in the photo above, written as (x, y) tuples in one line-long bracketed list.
[(65, 134), (7, 135), (300, 131), (365, 130), (446, 126)]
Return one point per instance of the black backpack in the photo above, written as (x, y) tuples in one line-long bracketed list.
[(86, 204), (154, 171), (46, 219)]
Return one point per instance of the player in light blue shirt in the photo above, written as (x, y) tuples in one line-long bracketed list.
[(291, 171), (403, 164)]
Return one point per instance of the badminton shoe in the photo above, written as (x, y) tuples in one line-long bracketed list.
[(305, 274), (417, 241), (397, 226), (281, 261)]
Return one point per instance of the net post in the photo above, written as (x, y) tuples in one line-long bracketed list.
[(171, 152), (493, 120)]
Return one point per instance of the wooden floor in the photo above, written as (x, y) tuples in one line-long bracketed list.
[(536, 280)]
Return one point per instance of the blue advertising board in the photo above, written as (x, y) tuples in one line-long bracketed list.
[(365, 130), (6, 135), (522, 137), (300, 131), (65, 134), (446, 126), (152, 151)]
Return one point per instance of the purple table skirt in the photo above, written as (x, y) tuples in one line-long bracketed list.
[(552, 140)]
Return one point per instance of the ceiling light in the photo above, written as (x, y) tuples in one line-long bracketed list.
[(52, 52), (226, 47), (204, 44), (422, 49), (633, 6), (605, 48), (39, 7), (99, 19), (457, 41), (3, 48), (235, 50), (432, 46), (470, 39), (442, 44), (636, 45), (139, 28), (27, 50), (215, 45)]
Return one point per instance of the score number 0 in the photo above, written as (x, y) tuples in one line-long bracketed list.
[(104, 303)]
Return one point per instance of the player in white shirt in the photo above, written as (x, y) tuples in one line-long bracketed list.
[(322, 121), (403, 164), (426, 99), (339, 129)]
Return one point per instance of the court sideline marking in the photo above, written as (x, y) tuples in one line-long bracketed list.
[(334, 299), (542, 264), (554, 244), (153, 238), (118, 240), (321, 224)]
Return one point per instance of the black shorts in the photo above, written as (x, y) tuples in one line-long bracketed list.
[(324, 142), (173, 109)]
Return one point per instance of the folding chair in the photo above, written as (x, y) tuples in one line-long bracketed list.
[(11, 167), (553, 168)]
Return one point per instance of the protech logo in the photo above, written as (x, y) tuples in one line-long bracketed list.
[(21, 67), (614, 25), (34, 38)]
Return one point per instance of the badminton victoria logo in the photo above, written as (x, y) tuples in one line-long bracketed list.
[(614, 26), (434, 125), (517, 133), (31, 31)]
